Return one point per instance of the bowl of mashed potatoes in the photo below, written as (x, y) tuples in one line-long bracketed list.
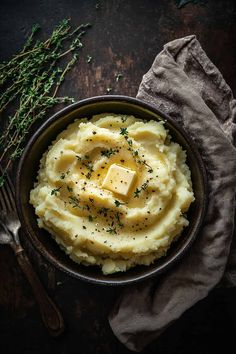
[(111, 190)]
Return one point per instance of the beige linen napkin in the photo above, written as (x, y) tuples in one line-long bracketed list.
[(185, 84)]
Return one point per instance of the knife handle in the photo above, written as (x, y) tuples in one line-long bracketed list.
[(50, 314)]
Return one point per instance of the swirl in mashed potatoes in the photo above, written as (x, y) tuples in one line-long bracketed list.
[(97, 224)]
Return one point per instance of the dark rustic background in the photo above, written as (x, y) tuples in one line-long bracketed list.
[(125, 38)]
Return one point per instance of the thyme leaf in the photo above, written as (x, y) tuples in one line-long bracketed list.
[(111, 230), (123, 131), (117, 203), (109, 152), (74, 201), (55, 191), (137, 193)]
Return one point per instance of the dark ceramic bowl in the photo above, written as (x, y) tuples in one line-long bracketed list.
[(29, 165)]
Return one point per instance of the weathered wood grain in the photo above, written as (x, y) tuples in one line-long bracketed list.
[(125, 38)]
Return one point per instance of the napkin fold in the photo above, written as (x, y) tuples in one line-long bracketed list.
[(185, 84)]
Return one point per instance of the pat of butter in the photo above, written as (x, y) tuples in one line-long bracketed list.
[(119, 179)]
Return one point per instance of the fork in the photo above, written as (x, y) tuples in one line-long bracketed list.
[(10, 223)]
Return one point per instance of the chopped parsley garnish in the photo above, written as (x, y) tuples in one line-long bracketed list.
[(63, 175), (91, 218), (55, 191)]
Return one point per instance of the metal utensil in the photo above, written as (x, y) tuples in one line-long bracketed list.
[(9, 234)]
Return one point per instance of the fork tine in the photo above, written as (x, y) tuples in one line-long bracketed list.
[(7, 193)]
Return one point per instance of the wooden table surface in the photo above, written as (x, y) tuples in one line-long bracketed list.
[(125, 38)]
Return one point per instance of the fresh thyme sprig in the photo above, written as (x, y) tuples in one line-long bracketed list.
[(135, 153), (143, 187), (109, 152), (31, 80)]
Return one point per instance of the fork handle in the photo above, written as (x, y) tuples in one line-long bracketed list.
[(51, 315)]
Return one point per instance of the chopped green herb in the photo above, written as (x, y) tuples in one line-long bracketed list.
[(130, 142), (74, 201), (91, 218), (117, 216), (63, 175), (69, 189), (55, 191), (117, 203), (103, 211), (123, 131), (109, 152), (111, 230), (137, 193), (144, 185), (86, 163)]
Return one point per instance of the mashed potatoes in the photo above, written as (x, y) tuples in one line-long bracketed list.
[(98, 226)]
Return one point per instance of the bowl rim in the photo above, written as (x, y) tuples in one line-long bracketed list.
[(179, 253)]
